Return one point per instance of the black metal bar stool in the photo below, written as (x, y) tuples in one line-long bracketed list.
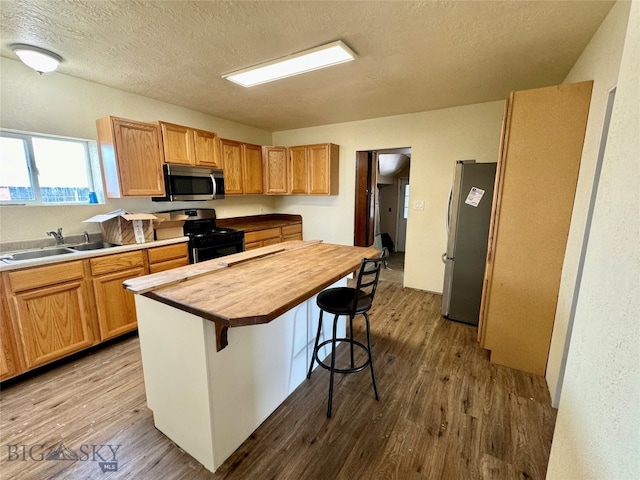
[(350, 302)]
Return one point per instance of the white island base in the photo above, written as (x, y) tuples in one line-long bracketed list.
[(208, 402)]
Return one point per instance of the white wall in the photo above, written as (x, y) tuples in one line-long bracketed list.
[(597, 434), (599, 62), (437, 139), (61, 105)]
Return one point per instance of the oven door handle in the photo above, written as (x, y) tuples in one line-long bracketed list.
[(215, 188)]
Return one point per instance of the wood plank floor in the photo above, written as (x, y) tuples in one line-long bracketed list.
[(445, 413)]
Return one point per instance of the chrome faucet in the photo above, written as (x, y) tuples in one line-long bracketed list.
[(57, 235), (86, 237)]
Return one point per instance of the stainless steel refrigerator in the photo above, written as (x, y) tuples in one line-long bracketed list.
[(468, 231)]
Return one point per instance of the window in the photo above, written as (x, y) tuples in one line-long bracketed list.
[(405, 210), (42, 169)]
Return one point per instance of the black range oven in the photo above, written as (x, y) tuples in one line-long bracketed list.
[(206, 241)]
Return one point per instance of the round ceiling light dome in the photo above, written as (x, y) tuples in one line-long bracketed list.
[(41, 60)]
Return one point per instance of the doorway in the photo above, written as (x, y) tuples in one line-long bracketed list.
[(381, 200)]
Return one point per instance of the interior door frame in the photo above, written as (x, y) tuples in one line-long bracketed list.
[(365, 201), (401, 222)]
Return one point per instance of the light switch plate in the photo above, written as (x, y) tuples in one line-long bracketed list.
[(418, 205)]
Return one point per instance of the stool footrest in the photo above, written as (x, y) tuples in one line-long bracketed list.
[(342, 370)]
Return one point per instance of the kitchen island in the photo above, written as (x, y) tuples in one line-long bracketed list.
[(224, 342)]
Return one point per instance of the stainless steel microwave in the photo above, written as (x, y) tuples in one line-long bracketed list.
[(185, 183)]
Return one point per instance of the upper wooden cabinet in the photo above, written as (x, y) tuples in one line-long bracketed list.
[(275, 170), (131, 154), (314, 169), (302, 170), (242, 164), (252, 180), (541, 148), (231, 155), (189, 146), (206, 148), (298, 170), (322, 169)]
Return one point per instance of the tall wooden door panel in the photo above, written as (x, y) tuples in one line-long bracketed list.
[(364, 211), (536, 187), (116, 306)]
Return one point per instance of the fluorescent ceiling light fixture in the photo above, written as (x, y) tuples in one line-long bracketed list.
[(319, 57), (41, 60)]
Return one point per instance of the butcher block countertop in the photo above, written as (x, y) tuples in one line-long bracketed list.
[(259, 222), (252, 287)]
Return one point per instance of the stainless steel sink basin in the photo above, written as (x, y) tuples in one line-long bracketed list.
[(92, 246), (40, 253)]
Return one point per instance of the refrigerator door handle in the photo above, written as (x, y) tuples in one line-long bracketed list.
[(449, 209)]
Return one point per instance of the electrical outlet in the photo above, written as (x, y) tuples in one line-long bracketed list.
[(418, 205)]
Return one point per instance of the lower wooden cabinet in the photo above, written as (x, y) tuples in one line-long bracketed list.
[(292, 232), (270, 236), (50, 312), (10, 363), (51, 309), (115, 306), (262, 238), (168, 257)]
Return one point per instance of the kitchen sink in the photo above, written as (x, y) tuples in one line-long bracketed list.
[(40, 253), (53, 251), (92, 246)]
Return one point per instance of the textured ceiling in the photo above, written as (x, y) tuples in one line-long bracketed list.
[(412, 56)]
